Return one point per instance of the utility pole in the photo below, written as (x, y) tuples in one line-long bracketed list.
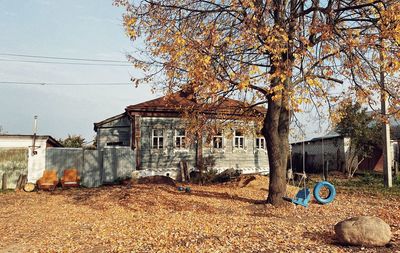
[(387, 168), (34, 152)]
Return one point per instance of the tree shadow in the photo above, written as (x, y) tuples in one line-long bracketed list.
[(89, 196), (215, 195), (140, 197)]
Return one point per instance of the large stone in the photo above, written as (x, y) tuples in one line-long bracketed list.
[(363, 231)]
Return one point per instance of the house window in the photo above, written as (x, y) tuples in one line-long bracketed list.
[(157, 138), (260, 143), (217, 140), (239, 140), (180, 136)]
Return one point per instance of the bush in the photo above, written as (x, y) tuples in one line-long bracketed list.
[(368, 179), (396, 180)]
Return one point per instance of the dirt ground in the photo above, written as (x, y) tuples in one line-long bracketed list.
[(159, 218)]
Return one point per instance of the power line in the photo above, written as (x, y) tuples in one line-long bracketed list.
[(64, 84), (61, 58), (66, 63)]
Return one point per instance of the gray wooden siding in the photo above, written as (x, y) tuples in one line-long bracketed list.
[(167, 159), (118, 130)]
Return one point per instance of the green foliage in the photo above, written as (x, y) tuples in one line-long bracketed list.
[(73, 141), (369, 179), (368, 183), (396, 180), (363, 130)]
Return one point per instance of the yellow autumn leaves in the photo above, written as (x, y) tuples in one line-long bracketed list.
[(221, 46)]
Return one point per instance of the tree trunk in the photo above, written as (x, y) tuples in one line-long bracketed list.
[(199, 157), (276, 133)]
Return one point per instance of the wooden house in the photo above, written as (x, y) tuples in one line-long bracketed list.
[(157, 132)]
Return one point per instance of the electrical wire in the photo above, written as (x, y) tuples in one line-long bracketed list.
[(61, 58), (63, 84), (67, 63)]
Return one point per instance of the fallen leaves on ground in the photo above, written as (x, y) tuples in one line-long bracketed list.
[(159, 218)]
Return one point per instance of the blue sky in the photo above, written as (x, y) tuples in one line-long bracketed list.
[(63, 28), (74, 29)]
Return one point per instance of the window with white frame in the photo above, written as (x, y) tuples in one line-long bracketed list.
[(260, 142), (217, 141), (180, 136), (157, 138), (238, 139)]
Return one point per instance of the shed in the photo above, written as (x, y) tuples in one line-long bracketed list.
[(24, 154)]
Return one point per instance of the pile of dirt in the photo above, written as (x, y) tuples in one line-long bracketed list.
[(260, 182), (253, 181), (157, 180)]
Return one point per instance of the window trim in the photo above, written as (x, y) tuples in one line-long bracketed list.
[(239, 137), (153, 136), (182, 139), (218, 135), (260, 147)]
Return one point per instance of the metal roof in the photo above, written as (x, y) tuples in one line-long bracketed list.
[(178, 101), (47, 137)]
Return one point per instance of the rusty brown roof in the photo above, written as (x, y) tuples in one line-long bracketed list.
[(180, 101)]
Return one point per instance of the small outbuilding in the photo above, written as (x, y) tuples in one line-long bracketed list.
[(23, 155)]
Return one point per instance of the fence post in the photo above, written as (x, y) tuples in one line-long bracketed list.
[(4, 182)]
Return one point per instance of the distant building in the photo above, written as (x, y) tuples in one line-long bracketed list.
[(329, 150), (332, 150)]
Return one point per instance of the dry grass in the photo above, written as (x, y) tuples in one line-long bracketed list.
[(158, 218)]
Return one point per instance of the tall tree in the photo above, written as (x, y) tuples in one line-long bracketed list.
[(363, 131), (282, 53), (73, 141)]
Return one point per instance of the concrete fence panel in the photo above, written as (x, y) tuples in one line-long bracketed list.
[(118, 163), (95, 167), (13, 163), (85, 161)]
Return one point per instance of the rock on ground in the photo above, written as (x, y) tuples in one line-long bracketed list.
[(363, 231)]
